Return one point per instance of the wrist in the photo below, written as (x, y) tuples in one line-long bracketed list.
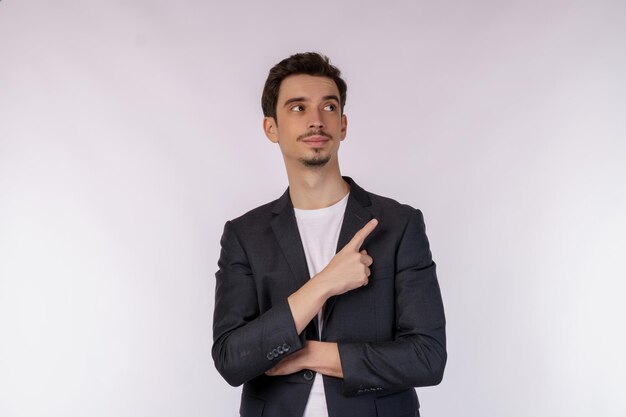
[(310, 355), (322, 285), (323, 357)]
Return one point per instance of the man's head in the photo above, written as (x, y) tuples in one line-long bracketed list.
[(306, 93), (309, 63)]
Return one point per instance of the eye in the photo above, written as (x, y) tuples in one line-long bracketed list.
[(330, 107), (297, 108)]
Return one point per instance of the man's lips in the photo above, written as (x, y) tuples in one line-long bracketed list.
[(316, 141)]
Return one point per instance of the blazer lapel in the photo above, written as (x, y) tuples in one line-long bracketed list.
[(285, 228), (355, 217)]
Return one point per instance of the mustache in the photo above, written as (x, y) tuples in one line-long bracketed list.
[(311, 133)]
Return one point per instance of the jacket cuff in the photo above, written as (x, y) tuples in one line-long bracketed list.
[(281, 339), (349, 354)]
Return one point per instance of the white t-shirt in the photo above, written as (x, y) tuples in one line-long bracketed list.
[(319, 230)]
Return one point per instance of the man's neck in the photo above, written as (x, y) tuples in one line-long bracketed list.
[(317, 188)]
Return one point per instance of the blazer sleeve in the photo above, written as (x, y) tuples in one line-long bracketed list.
[(246, 343), (417, 355)]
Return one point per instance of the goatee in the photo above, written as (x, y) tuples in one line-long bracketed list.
[(316, 161)]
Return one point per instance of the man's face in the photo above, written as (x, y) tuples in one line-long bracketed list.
[(309, 124)]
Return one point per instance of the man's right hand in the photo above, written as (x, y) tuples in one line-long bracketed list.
[(349, 268)]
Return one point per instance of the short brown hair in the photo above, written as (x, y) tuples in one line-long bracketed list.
[(310, 63)]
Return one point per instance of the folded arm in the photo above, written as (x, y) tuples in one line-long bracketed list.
[(417, 355), (246, 343)]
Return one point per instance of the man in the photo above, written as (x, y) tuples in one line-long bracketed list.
[(327, 302)]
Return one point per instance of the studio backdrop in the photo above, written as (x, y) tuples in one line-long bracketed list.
[(130, 132)]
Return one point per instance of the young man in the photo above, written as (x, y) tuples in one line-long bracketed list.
[(327, 302)]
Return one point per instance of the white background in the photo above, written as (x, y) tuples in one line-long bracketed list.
[(130, 131)]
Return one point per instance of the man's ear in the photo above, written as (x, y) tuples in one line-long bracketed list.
[(344, 126), (270, 127)]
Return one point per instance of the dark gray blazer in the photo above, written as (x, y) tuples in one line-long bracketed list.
[(390, 333)]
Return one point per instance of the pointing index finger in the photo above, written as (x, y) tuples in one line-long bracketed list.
[(359, 237)]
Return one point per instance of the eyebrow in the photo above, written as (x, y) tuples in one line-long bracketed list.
[(296, 99)]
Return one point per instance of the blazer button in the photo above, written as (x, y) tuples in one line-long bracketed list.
[(286, 347), (280, 350), (270, 356), (308, 375)]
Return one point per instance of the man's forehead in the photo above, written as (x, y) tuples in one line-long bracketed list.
[(307, 86)]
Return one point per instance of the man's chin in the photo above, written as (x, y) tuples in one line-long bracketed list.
[(315, 162)]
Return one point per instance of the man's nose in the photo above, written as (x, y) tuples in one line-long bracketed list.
[(316, 120)]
